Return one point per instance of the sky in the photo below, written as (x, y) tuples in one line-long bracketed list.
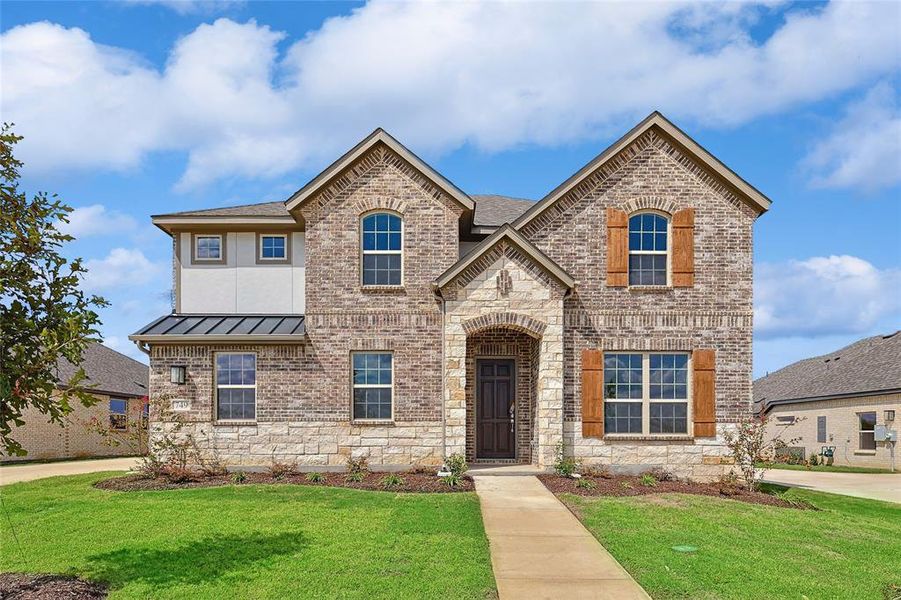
[(141, 107)]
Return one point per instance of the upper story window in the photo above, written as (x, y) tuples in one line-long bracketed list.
[(382, 249), (646, 393), (273, 248), (648, 249), (208, 248)]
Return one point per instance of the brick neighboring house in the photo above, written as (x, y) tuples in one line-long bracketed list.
[(381, 310), (842, 397), (120, 385)]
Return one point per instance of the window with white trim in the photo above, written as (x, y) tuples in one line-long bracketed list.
[(648, 249), (207, 247), (118, 414), (373, 387), (646, 393), (867, 432), (382, 243), (236, 386), (273, 247)]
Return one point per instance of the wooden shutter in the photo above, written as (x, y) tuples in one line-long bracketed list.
[(684, 248), (704, 392), (617, 248), (592, 393)]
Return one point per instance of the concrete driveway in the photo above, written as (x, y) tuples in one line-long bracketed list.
[(29, 472), (862, 485)]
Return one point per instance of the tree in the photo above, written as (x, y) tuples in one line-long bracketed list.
[(44, 315), (751, 448)]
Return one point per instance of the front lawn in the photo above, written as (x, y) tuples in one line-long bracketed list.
[(850, 548), (825, 468), (249, 541)]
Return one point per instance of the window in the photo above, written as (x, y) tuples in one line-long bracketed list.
[(118, 414), (867, 430), (821, 429), (273, 247), (382, 249), (372, 385), (648, 254), (208, 247), (145, 414), (785, 420), (236, 386), (646, 393)]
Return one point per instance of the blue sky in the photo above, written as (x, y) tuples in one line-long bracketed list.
[(142, 107)]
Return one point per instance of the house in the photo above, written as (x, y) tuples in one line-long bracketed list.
[(842, 401), (381, 310), (120, 385)]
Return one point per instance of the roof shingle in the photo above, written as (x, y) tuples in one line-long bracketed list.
[(108, 371)]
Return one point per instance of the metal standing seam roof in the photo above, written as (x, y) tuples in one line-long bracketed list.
[(185, 326)]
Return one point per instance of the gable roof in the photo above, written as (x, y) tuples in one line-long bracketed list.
[(259, 209), (493, 210), (745, 190), (514, 237), (865, 367), (376, 137), (110, 372)]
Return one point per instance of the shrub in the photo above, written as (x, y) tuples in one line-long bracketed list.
[(565, 466), (456, 464), (315, 477), (174, 473), (662, 475), (625, 485), (814, 460), (279, 470), (648, 480), (728, 484), (586, 484), (452, 480), (601, 472), (392, 480), (239, 477), (355, 477), (749, 447), (359, 465), (150, 466)]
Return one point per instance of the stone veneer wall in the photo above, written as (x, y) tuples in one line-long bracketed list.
[(503, 343)]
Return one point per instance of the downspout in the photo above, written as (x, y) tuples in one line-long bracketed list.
[(143, 347), (437, 291)]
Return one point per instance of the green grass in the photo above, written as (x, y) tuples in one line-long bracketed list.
[(253, 541), (850, 548), (826, 468)]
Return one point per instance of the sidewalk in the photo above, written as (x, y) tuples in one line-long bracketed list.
[(28, 472), (540, 550), (874, 486)]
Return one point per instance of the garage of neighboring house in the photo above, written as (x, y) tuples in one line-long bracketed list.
[(115, 425), (842, 406)]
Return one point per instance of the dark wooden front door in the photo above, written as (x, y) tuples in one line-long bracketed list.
[(495, 400)]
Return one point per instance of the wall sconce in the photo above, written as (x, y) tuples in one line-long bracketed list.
[(889, 415), (177, 375)]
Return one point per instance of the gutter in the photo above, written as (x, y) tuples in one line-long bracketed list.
[(863, 394)]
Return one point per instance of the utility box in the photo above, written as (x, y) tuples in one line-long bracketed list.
[(884, 434)]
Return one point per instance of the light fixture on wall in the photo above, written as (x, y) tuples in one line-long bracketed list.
[(889, 415), (177, 375)]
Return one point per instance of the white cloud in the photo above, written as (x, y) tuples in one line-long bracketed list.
[(824, 295), (119, 269), (438, 75), (188, 7), (125, 346), (864, 148), (96, 220)]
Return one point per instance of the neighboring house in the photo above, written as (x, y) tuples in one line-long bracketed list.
[(838, 400), (120, 385), (381, 310)]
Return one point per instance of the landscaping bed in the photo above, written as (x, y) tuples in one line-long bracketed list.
[(31, 586), (632, 485), (406, 482)]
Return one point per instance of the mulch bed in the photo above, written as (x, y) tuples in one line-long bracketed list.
[(629, 485), (31, 586), (413, 482)]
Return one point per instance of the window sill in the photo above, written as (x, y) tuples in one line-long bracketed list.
[(650, 289), (865, 452), (383, 289), (234, 423), (382, 422), (622, 437)]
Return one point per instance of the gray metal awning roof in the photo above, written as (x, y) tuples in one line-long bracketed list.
[(223, 328)]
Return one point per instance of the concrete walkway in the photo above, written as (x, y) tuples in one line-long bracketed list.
[(28, 472), (874, 486), (540, 550)]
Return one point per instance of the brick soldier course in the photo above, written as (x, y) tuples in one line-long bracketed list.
[(534, 282)]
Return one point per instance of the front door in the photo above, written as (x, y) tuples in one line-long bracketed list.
[(495, 401)]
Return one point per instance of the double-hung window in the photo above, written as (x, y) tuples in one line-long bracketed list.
[(118, 414), (382, 249), (373, 377), (867, 431), (648, 249), (646, 393), (236, 386)]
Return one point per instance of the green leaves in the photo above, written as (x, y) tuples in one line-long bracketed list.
[(44, 315)]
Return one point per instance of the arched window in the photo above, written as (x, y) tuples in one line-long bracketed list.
[(382, 249), (648, 249)]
